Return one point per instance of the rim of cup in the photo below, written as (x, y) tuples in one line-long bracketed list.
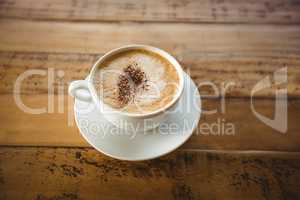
[(156, 50)]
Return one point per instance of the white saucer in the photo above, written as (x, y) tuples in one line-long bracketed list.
[(124, 145)]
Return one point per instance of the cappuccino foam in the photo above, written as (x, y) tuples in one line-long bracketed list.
[(136, 81)]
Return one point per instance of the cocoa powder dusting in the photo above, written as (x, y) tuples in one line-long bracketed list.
[(135, 73), (126, 88)]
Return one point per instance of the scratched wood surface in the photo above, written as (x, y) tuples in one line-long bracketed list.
[(239, 72), (238, 64), (64, 173), (100, 37), (220, 41), (225, 11), (19, 128)]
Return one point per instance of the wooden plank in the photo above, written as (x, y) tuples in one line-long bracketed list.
[(225, 11), (66, 37), (240, 72), (248, 133), (21, 128), (71, 173)]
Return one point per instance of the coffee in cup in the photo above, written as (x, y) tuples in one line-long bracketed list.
[(133, 86), (136, 81)]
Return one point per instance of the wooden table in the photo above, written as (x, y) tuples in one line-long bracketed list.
[(43, 156)]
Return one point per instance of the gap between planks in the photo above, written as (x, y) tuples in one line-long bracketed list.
[(207, 11)]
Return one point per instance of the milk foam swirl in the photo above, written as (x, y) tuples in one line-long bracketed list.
[(157, 88)]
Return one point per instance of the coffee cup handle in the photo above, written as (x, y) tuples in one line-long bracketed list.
[(79, 89)]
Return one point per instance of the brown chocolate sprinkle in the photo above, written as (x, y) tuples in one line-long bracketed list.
[(136, 74), (124, 89), (130, 81)]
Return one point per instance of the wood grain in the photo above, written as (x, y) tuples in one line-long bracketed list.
[(214, 11), (59, 173), (220, 41), (240, 72), (59, 129), (66, 37)]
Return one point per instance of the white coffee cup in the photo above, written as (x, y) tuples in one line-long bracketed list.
[(124, 119)]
